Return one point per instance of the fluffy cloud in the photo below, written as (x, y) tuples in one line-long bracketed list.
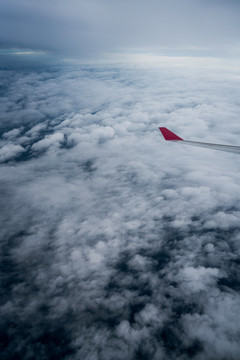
[(10, 151), (49, 140), (115, 243)]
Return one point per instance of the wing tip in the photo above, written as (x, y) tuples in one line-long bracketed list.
[(169, 135)]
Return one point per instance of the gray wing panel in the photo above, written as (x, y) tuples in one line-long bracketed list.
[(228, 148)]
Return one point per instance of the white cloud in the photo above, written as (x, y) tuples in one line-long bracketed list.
[(195, 279), (12, 134), (49, 140), (10, 151), (121, 244), (35, 130)]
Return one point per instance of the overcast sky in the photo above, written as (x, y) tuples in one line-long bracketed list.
[(89, 28)]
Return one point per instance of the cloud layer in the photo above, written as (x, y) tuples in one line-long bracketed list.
[(116, 244)]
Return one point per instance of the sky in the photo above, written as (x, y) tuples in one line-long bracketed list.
[(86, 29), (114, 243)]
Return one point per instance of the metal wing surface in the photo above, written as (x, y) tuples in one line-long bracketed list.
[(170, 136)]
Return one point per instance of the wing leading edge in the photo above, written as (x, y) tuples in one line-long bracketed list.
[(170, 136)]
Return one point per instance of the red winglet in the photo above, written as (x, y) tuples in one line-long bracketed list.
[(168, 135)]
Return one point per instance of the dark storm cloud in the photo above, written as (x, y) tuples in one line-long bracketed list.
[(116, 244), (87, 27)]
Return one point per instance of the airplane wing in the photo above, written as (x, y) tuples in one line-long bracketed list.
[(170, 136)]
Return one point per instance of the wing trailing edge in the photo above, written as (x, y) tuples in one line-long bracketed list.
[(170, 136)]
